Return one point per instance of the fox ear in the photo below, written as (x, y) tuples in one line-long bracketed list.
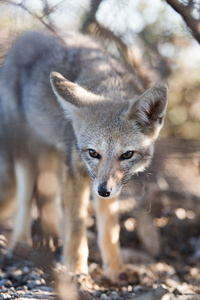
[(70, 96), (149, 109)]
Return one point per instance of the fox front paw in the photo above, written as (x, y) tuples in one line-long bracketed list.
[(84, 282), (127, 274)]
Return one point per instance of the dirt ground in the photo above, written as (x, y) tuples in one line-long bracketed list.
[(160, 236)]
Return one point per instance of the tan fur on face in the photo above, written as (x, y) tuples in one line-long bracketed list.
[(114, 179)]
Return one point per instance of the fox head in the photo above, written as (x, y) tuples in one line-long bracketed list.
[(115, 138)]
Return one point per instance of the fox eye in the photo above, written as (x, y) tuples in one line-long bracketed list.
[(94, 154), (127, 155)]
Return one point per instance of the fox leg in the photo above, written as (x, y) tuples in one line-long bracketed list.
[(76, 198), (108, 235), (48, 194), (7, 187), (24, 175), (108, 240)]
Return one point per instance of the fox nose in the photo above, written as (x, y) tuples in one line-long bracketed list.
[(102, 190)]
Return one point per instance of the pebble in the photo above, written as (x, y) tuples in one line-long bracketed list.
[(130, 288), (137, 288), (35, 290), (20, 292), (31, 284), (114, 295), (28, 294), (35, 276), (3, 282), (97, 294), (25, 270), (8, 283), (103, 296), (17, 273), (5, 296), (43, 281), (133, 294), (22, 288), (45, 288)]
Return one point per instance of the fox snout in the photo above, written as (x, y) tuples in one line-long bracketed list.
[(108, 188), (104, 190)]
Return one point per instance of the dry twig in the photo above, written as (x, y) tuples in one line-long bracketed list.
[(185, 11), (21, 5)]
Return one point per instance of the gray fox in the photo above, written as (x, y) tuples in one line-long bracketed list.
[(94, 125)]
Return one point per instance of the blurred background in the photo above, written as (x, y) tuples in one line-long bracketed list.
[(160, 41), (150, 34)]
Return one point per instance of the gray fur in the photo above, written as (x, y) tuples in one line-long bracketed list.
[(98, 105)]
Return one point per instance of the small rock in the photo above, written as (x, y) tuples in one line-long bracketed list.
[(39, 271), (27, 294), (97, 294), (17, 273), (45, 288), (43, 281), (2, 274), (3, 282), (38, 282), (20, 292), (34, 276), (133, 294), (137, 288), (130, 288), (103, 296), (114, 295), (22, 288), (5, 296), (31, 284), (25, 270), (8, 283), (35, 290)]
